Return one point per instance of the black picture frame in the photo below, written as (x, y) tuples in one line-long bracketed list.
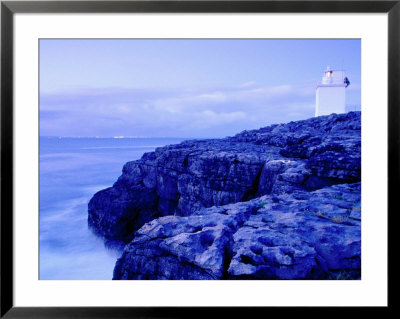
[(9, 8)]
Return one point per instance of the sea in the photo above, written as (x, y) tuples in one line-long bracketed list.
[(71, 171)]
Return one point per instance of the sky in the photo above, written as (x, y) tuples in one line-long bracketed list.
[(185, 88)]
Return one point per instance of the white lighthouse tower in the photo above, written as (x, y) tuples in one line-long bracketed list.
[(331, 93)]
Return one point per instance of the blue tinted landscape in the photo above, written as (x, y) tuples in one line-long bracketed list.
[(263, 183)]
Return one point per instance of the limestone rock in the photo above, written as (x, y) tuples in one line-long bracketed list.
[(303, 235), (184, 178)]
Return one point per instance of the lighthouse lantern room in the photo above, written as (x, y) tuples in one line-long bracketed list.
[(331, 93)]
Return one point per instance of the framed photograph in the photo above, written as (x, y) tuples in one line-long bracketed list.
[(165, 157)]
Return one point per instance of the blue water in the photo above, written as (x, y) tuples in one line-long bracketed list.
[(71, 171)]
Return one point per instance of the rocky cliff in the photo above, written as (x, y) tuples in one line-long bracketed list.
[(302, 235), (279, 202)]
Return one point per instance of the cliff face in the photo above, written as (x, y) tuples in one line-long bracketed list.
[(281, 202), (181, 179), (302, 235)]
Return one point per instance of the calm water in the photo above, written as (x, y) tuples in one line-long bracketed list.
[(71, 171)]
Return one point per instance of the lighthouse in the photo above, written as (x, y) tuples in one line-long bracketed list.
[(331, 93)]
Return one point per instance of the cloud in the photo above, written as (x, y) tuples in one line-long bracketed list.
[(201, 112), (248, 84), (208, 119)]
